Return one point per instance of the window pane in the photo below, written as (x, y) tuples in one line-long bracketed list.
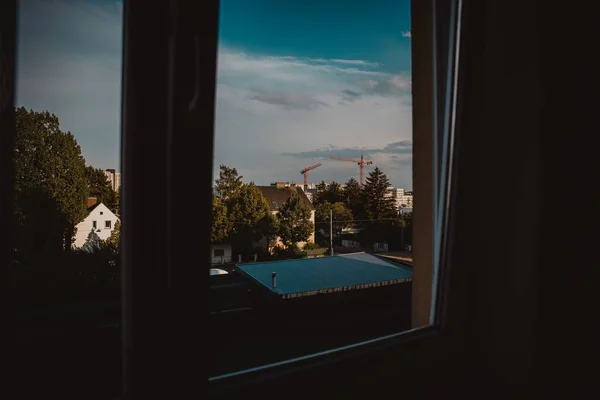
[(313, 163), (65, 273)]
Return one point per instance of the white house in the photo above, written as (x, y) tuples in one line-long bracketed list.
[(98, 225), (221, 253), (276, 196)]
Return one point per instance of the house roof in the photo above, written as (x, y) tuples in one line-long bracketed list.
[(92, 208), (277, 196), (306, 277)]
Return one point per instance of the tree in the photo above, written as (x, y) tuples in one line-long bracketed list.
[(51, 187), (93, 243), (229, 184), (294, 222), (220, 222), (251, 218), (319, 196), (331, 193), (353, 199), (377, 201), (118, 201), (113, 243), (99, 187), (342, 216), (334, 193)]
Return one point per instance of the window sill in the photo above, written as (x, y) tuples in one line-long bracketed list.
[(355, 354)]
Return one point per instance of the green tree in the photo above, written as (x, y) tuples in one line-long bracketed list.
[(378, 203), (353, 199), (294, 222), (99, 187), (118, 201), (342, 216), (113, 242), (321, 193), (229, 184), (251, 218), (335, 193), (220, 222), (51, 187), (331, 193)]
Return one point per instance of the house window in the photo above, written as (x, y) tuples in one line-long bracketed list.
[(275, 205), (94, 224), (108, 224), (219, 253), (101, 212)]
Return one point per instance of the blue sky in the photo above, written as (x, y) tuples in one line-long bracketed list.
[(298, 81)]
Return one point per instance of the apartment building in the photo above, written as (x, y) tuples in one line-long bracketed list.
[(114, 178), (404, 198)]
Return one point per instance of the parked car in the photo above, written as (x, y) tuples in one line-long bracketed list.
[(218, 271)]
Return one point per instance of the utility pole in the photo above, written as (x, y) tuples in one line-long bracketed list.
[(331, 230)]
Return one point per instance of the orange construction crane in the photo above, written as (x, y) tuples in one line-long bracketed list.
[(305, 172), (361, 164)]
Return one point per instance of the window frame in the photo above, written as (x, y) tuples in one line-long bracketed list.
[(182, 35), (159, 284), (429, 324), (427, 321)]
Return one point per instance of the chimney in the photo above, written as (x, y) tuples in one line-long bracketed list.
[(274, 279), (91, 201)]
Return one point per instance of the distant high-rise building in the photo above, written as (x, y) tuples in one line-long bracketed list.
[(403, 197), (114, 178)]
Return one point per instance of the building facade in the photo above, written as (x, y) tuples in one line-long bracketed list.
[(114, 178), (221, 254), (96, 227), (404, 197)]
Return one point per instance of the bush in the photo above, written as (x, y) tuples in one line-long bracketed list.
[(318, 251), (311, 246), (280, 253)]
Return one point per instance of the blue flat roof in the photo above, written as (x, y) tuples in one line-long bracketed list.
[(306, 277)]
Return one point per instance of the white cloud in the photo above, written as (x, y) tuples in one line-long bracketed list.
[(70, 64), (307, 104), (289, 68), (402, 82)]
